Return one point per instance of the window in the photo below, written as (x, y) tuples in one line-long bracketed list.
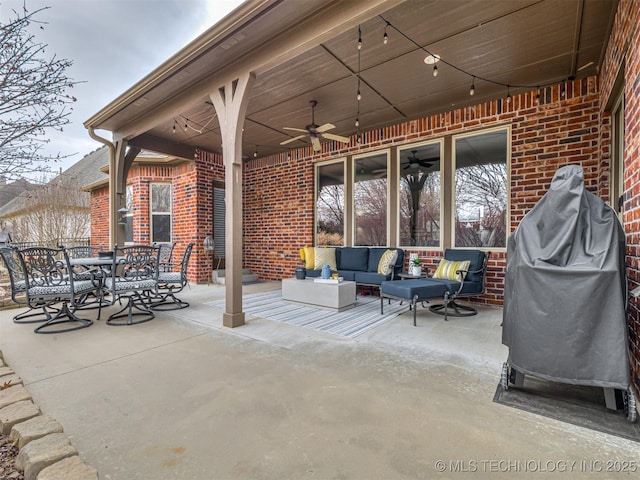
[(370, 199), (330, 202), (445, 192), (128, 216), (481, 189), (160, 212), (419, 195)]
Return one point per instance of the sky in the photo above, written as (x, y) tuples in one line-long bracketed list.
[(113, 44)]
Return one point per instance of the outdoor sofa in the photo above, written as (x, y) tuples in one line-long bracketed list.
[(357, 264)]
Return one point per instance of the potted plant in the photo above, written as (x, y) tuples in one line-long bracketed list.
[(415, 268)]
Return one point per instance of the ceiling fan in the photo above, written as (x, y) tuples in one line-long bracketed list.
[(415, 162), (315, 132)]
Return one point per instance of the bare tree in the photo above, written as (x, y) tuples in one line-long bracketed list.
[(481, 188), (33, 97), (55, 211), (370, 199)]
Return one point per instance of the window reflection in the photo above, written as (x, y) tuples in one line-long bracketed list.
[(330, 204), (420, 195), (481, 190), (370, 200)]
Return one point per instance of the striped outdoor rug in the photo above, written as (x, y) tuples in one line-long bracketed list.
[(350, 323)]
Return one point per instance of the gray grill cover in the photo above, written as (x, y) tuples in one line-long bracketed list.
[(565, 289)]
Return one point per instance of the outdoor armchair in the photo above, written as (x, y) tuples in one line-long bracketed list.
[(134, 279), (49, 281), (18, 281), (172, 281), (165, 255)]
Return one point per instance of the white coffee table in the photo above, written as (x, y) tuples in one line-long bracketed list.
[(334, 296)]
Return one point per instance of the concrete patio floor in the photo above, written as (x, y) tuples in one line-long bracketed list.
[(182, 397)]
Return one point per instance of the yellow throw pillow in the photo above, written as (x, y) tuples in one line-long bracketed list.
[(447, 270), (302, 254), (309, 257), (387, 261), (325, 255)]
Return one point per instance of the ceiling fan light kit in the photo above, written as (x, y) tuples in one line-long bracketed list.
[(315, 132)]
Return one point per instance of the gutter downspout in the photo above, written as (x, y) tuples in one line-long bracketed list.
[(113, 220)]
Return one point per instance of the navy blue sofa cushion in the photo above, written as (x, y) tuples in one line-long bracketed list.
[(356, 264), (370, 278), (353, 258)]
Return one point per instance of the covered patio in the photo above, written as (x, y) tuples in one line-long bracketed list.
[(183, 397), (555, 79)]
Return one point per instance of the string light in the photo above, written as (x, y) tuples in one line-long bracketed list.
[(472, 90), (357, 122), (385, 37), (508, 94), (358, 96), (433, 58), (175, 122), (359, 39), (255, 154)]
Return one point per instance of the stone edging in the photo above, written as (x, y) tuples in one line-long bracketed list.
[(45, 452)]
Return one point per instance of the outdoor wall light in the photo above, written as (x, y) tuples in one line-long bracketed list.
[(122, 211)]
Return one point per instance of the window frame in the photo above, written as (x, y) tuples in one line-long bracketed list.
[(443, 183), (152, 213), (352, 187), (452, 186), (345, 227)]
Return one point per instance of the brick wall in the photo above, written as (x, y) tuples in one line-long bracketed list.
[(623, 52), (552, 127), (100, 218)]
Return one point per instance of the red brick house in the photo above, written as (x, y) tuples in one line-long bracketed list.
[(222, 104)]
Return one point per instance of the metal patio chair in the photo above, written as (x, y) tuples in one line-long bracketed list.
[(50, 281), (165, 255), (18, 281), (134, 279), (172, 281)]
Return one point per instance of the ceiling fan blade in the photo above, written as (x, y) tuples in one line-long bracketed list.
[(294, 129), (325, 127), (299, 137), (337, 138), (315, 141)]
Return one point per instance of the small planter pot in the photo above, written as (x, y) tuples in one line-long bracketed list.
[(415, 270), (301, 273)]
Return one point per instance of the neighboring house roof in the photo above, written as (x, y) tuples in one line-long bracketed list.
[(85, 171), (9, 191)]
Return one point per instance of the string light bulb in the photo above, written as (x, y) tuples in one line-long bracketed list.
[(358, 96), (435, 70), (385, 37), (472, 90), (174, 125), (359, 39), (357, 123), (508, 94), (255, 154)]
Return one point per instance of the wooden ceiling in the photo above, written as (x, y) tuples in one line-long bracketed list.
[(490, 43)]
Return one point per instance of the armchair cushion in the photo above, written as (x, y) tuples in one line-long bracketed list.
[(475, 257), (449, 270)]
